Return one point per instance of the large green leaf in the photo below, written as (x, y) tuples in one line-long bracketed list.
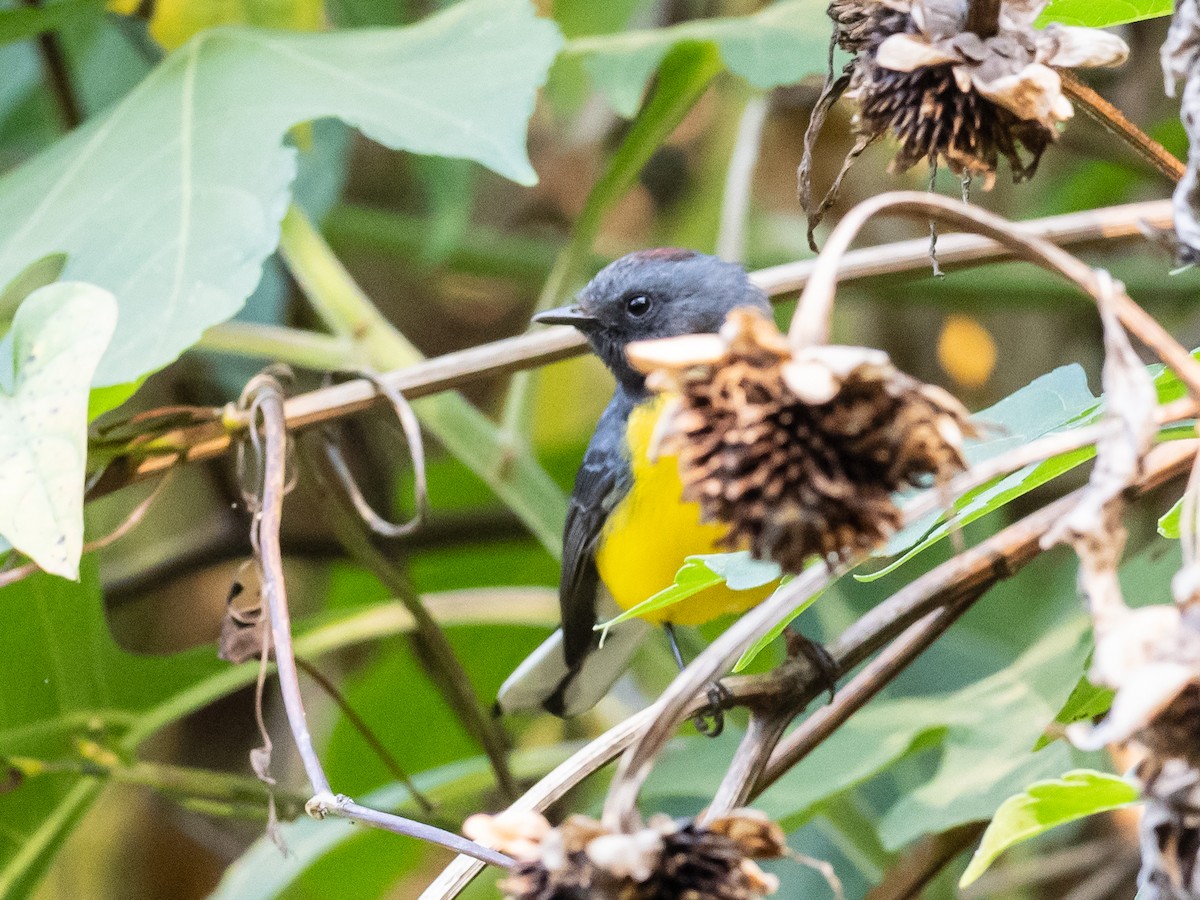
[(172, 200), (780, 45), (1103, 13), (1045, 805), (58, 335)]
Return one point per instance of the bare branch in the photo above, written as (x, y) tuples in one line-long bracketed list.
[(136, 461), (264, 399)]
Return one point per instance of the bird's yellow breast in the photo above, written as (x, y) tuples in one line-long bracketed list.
[(652, 531)]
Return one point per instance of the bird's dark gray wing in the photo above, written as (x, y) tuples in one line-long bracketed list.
[(602, 481)]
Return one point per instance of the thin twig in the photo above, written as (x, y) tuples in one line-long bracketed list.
[(365, 732), (938, 597), (264, 397), (908, 879), (1151, 151), (429, 641), (810, 325), (454, 370)]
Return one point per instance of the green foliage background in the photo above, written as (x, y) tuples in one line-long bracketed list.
[(468, 162)]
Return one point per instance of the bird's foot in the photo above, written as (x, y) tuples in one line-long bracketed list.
[(710, 721), (825, 665)]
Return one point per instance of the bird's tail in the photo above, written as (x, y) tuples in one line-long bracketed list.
[(545, 681)]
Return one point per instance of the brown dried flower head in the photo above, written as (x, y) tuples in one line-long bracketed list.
[(947, 93), (799, 451), (666, 860), (1151, 658)]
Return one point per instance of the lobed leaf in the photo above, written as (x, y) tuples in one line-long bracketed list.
[(172, 199), (779, 45)]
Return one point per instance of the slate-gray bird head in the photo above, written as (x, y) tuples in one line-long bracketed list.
[(654, 294)]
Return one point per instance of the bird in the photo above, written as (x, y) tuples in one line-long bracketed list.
[(628, 530)]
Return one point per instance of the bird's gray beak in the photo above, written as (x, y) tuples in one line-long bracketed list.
[(567, 315)]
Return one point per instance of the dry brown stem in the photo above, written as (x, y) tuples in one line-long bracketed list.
[(263, 400)]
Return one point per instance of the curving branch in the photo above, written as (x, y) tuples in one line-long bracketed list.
[(810, 325)]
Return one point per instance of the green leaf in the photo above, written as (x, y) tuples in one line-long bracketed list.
[(692, 578), (58, 336), (984, 731), (1168, 524), (1103, 13), (1057, 400), (172, 199), (776, 630), (779, 45), (1087, 701), (36, 275), (991, 727), (1045, 805), (738, 571), (20, 24)]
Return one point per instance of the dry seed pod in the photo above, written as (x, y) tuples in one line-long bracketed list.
[(799, 452), (1170, 833), (1151, 657), (949, 94), (666, 860)]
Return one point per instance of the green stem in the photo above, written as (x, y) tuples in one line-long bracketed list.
[(512, 472), (179, 782), (485, 252), (683, 77), (294, 346), (336, 633)]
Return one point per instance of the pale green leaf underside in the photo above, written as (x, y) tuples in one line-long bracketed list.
[(739, 571), (172, 199), (59, 334), (1046, 805), (779, 45)]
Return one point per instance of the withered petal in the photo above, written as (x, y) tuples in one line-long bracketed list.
[(1073, 47), (909, 52)]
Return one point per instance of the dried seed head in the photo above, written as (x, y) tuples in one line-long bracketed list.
[(945, 93), (859, 24), (666, 860), (1151, 657), (518, 833), (1170, 832), (799, 452)]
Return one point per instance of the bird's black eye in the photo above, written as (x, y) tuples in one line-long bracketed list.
[(638, 305)]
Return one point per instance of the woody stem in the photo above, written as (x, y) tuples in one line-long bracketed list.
[(1115, 121), (983, 17)]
